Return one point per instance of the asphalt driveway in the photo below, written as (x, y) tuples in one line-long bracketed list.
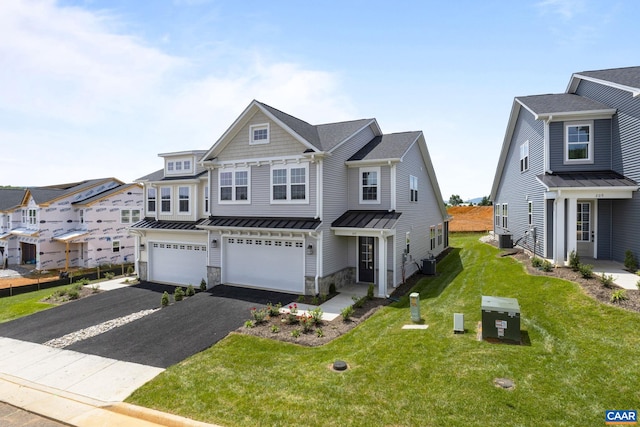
[(160, 339)]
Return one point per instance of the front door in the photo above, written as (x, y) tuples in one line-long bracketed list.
[(584, 229), (366, 255)]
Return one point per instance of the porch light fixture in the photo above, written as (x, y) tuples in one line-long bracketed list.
[(310, 249), (142, 246), (214, 243)]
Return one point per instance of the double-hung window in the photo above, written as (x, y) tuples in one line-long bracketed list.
[(234, 186), (505, 217), (289, 184), (524, 157), (413, 188), (165, 200), (496, 211), (439, 234), (530, 213), (151, 199), (579, 143), (369, 185), (183, 199), (32, 217), (206, 199), (432, 237), (129, 216), (115, 246)]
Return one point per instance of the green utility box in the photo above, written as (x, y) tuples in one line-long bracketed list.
[(500, 318)]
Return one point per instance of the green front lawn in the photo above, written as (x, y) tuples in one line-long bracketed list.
[(583, 358), (25, 304)]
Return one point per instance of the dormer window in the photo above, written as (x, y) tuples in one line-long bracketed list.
[(259, 134), (170, 166), (178, 166), (187, 165)]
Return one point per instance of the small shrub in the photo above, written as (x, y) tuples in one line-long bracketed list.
[(109, 275), (275, 329), (347, 312), (358, 302), (630, 262), (319, 333), (190, 290), (574, 260), (95, 288), (73, 294), (536, 262), (203, 285), (78, 286), (249, 324), (295, 333), (606, 280), (130, 270), (301, 299), (292, 316), (546, 266), (314, 300), (82, 282), (274, 310), (164, 301), (306, 321), (178, 294), (332, 288), (259, 316), (586, 270), (60, 293), (619, 295), (370, 290), (323, 297), (316, 315)]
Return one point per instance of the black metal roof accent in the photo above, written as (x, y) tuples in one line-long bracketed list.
[(586, 179), (367, 219), (284, 223), (152, 224)]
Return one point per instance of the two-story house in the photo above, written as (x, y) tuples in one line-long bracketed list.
[(295, 207), (70, 225), (568, 173)]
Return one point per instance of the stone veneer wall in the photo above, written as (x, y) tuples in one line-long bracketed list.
[(142, 274), (339, 278), (213, 276)]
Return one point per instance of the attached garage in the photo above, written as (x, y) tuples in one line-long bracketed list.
[(177, 263), (264, 263)]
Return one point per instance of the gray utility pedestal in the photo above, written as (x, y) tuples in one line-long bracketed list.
[(500, 318)]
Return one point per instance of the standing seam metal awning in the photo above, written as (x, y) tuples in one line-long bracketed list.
[(356, 222), (74, 234), (24, 232)]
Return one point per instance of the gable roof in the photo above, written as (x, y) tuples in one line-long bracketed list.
[(626, 78), (11, 198), (43, 195), (597, 179), (562, 104), (388, 146), (100, 196), (316, 138)]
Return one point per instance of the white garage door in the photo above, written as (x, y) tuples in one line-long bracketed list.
[(265, 263), (178, 263)]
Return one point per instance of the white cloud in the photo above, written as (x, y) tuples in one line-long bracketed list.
[(82, 98), (565, 8)]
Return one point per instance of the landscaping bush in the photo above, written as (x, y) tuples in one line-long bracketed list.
[(332, 288), (73, 294), (292, 316), (358, 302), (630, 262), (190, 290), (164, 301), (259, 316), (203, 285), (249, 324), (109, 275), (274, 310), (586, 270), (619, 295), (606, 280), (295, 333), (546, 266), (536, 262), (130, 270), (347, 312), (370, 290), (178, 294), (316, 315), (306, 321), (574, 260)]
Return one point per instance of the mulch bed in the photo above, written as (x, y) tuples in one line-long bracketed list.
[(592, 287)]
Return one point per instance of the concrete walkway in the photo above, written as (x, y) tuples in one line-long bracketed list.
[(332, 308), (621, 277)]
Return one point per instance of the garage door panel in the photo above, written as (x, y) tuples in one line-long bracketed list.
[(180, 264), (265, 263)]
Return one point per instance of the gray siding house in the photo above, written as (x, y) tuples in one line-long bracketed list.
[(568, 173), (296, 207)]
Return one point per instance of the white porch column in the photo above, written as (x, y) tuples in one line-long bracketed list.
[(382, 266), (572, 224), (558, 231)]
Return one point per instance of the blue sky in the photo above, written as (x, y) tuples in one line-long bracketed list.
[(98, 88)]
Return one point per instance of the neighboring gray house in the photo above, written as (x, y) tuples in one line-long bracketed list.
[(568, 172), (295, 207)]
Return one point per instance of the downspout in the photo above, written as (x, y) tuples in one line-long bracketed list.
[(392, 205), (546, 142)]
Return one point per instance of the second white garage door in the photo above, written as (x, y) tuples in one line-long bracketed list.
[(264, 263), (178, 263)]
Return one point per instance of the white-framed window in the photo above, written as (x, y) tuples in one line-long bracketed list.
[(530, 213), (413, 188), (81, 212), (165, 199), (583, 222), (115, 246), (369, 185), (29, 216), (183, 199), (206, 199), (234, 186), (187, 165), (578, 142), (439, 234), (496, 211), (151, 199), (407, 238), (178, 166), (24, 217), (505, 216), (432, 237), (129, 216), (290, 183), (259, 134), (524, 157)]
